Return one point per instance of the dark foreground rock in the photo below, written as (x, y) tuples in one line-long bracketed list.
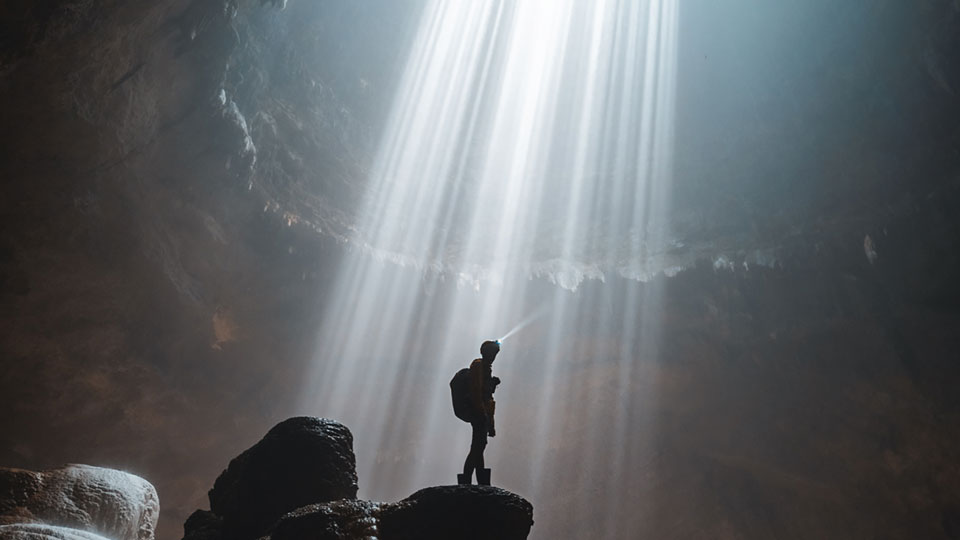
[(466, 512), (434, 513), (76, 501), (203, 525), (300, 483), (301, 461)]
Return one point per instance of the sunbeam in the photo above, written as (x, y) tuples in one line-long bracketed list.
[(529, 153)]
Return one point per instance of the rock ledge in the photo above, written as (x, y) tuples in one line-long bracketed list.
[(299, 483), (76, 501)]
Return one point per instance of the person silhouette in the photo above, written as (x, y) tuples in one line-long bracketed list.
[(482, 385)]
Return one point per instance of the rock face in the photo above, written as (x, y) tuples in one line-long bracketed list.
[(334, 520), (299, 482), (300, 461), (39, 531), (466, 512), (434, 513), (74, 501)]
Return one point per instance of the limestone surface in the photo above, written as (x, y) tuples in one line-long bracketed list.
[(81, 498), (39, 531)]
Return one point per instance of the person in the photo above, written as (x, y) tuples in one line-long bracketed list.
[(482, 386)]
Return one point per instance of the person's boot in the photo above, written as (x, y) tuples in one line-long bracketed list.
[(483, 477), (464, 479)]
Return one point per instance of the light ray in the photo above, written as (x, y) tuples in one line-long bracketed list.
[(529, 139)]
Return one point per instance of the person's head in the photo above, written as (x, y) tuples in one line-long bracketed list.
[(489, 350)]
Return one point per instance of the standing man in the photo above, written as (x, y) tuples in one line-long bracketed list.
[(480, 391)]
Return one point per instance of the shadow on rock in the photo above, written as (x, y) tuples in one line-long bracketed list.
[(300, 461)]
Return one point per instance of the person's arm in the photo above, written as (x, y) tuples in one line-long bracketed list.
[(476, 386)]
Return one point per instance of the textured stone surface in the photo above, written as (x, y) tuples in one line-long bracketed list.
[(434, 513), (203, 525), (337, 520), (300, 461), (465, 512), (299, 483), (39, 531), (93, 499)]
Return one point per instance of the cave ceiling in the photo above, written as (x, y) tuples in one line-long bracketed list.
[(831, 131), (839, 125)]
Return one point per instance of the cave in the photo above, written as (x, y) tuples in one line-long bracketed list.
[(717, 242)]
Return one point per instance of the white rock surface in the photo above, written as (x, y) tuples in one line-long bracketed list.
[(39, 531), (77, 500)]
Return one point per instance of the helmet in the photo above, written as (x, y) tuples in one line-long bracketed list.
[(489, 349)]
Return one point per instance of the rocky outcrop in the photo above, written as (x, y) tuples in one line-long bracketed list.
[(39, 531), (203, 525), (465, 512), (299, 482), (74, 501), (434, 513), (334, 520), (300, 461)]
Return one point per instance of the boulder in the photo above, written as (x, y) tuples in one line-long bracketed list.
[(463, 512), (337, 520), (301, 461), (203, 525), (300, 483), (39, 531), (435, 513), (85, 499)]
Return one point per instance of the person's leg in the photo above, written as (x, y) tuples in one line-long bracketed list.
[(477, 444)]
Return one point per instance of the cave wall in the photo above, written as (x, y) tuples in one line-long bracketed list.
[(814, 400), (154, 284)]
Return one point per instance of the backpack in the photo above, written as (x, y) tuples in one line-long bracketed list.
[(460, 391)]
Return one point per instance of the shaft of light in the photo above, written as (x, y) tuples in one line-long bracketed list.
[(523, 323), (528, 140)]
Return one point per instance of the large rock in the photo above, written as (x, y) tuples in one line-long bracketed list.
[(337, 520), (39, 531), (299, 483), (301, 461), (203, 525), (435, 513), (107, 502), (464, 512)]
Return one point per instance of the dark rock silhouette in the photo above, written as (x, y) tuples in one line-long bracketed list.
[(76, 501), (436, 513), (300, 461), (334, 521), (203, 525), (465, 512), (264, 494)]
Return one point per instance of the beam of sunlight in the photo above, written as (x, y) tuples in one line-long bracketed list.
[(521, 190)]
